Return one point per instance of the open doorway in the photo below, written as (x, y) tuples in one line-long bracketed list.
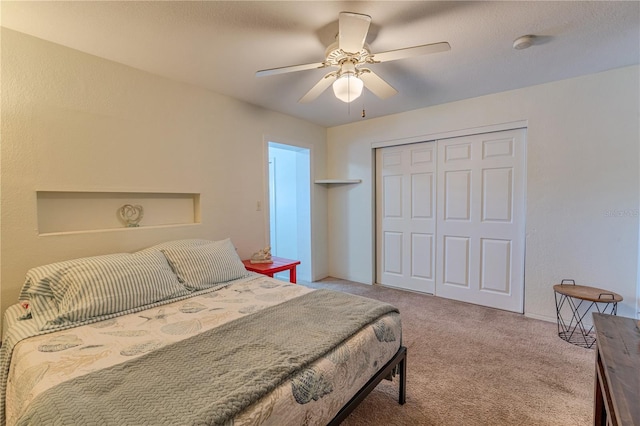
[(290, 205)]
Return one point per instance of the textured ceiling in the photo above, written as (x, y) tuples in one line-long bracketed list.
[(220, 45)]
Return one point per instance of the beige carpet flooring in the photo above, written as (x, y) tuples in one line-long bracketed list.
[(471, 365)]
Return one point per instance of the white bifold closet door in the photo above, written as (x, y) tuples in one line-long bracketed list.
[(405, 216), (473, 249)]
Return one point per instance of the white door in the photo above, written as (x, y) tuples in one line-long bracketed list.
[(480, 219), (405, 216)]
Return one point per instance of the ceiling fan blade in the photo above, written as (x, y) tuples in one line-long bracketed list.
[(292, 68), (410, 52), (377, 85), (320, 87), (352, 32)]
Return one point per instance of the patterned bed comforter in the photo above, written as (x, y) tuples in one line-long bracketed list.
[(311, 396)]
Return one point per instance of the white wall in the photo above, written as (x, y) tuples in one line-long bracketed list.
[(582, 170), (75, 122)]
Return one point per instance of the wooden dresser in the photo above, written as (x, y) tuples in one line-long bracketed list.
[(617, 384)]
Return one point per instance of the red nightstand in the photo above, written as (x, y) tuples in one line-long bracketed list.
[(279, 264)]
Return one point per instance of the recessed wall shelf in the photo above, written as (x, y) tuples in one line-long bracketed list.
[(79, 211), (97, 231), (338, 181)]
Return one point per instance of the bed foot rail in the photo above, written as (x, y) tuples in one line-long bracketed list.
[(398, 361)]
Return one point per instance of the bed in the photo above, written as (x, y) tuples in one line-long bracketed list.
[(181, 333)]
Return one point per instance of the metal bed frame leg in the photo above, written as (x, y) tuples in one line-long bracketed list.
[(398, 361), (402, 391)]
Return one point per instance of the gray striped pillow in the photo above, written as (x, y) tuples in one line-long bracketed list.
[(37, 286), (39, 279), (109, 284), (204, 266), (188, 242), (42, 309)]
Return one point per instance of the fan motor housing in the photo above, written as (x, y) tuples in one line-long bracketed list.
[(336, 56)]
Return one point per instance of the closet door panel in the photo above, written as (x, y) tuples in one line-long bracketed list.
[(480, 200), (405, 216)]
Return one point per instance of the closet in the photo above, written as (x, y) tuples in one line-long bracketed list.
[(450, 218)]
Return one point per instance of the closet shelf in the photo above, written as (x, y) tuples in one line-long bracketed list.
[(338, 181)]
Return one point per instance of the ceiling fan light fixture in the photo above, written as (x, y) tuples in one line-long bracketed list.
[(348, 87)]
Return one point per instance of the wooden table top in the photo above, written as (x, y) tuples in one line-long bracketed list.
[(619, 352), (584, 292)]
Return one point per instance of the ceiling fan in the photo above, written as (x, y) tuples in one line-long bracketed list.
[(349, 53)]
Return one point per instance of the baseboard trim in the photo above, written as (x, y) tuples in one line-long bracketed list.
[(540, 317)]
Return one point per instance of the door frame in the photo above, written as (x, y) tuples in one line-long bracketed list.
[(512, 125), (265, 204)]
